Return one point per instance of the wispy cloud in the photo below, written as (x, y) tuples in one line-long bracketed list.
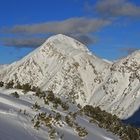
[(117, 8), (22, 42), (85, 39), (79, 28), (69, 26)]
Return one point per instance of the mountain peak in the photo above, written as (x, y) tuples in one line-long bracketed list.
[(59, 37), (65, 43)]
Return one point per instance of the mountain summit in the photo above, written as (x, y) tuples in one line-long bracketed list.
[(66, 67), (66, 43)]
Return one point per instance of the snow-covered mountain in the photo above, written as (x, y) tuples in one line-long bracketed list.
[(62, 65), (69, 69)]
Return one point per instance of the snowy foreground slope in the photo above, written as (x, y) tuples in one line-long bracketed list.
[(66, 67), (15, 123)]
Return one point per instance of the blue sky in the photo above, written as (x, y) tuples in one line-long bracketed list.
[(110, 28)]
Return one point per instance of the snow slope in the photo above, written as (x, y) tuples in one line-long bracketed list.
[(14, 125), (70, 70)]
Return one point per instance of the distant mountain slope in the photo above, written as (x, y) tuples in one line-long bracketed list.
[(120, 94), (68, 68)]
